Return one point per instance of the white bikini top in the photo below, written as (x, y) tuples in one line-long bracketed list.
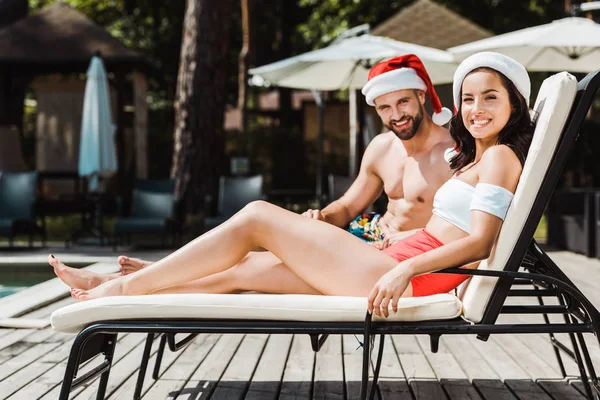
[(455, 200)]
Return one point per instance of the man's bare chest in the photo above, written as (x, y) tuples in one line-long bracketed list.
[(410, 180)]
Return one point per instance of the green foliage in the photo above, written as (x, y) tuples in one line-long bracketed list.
[(329, 18)]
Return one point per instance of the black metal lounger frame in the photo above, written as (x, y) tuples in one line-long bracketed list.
[(580, 316)]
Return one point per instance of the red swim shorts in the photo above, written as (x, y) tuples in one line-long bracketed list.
[(426, 284)]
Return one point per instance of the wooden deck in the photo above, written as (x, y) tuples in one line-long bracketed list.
[(32, 363)]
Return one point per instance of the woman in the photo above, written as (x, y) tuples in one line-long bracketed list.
[(492, 131)]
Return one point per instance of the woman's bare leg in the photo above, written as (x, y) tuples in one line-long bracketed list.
[(325, 257), (259, 272)]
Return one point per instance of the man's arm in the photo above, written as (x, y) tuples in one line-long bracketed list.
[(362, 193)]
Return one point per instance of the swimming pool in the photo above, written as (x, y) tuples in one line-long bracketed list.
[(15, 276)]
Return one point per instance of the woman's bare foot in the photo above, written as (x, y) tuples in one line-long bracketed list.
[(74, 277), (127, 265), (113, 287)]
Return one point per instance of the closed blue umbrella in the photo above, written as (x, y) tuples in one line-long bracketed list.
[(97, 154)]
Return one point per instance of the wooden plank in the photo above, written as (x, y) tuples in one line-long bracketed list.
[(526, 389), (15, 336), (540, 343), (493, 389), (526, 358), (299, 368), (329, 370), (577, 384), (392, 383), (235, 380), (204, 380), (26, 358), (176, 375), (25, 377), (127, 389), (504, 366), (419, 374), (414, 363), (460, 389), (266, 380), (47, 310), (443, 363), (47, 386), (126, 364), (353, 356), (469, 359), (560, 390)]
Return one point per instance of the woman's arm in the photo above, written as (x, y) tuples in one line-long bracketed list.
[(499, 166)]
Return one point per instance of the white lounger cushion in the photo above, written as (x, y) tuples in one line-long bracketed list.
[(314, 308), (553, 104)]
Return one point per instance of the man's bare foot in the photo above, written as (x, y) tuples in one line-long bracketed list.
[(74, 277), (127, 265), (113, 287)]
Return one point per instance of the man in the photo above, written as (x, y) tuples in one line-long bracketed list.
[(407, 163)]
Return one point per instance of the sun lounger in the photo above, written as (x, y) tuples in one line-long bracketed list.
[(561, 107)]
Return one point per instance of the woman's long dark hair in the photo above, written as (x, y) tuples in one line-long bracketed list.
[(516, 134)]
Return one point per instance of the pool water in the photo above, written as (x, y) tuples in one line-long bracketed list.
[(15, 277)]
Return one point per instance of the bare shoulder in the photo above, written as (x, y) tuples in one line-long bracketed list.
[(500, 165), (501, 155), (378, 147), (382, 141)]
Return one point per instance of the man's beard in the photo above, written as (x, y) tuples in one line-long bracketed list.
[(408, 132)]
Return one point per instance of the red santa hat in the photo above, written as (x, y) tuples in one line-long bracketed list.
[(404, 72)]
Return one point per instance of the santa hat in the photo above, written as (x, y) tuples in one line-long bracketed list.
[(404, 72), (510, 68)]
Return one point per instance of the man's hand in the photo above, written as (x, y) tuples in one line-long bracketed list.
[(314, 214), (388, 289)]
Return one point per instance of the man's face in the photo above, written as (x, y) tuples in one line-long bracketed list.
[(401, 111)]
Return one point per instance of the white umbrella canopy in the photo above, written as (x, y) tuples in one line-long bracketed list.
[(97, 154), (346, 64), (568, 44)]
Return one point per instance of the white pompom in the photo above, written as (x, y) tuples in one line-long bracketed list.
[(442, 117), (449, 154)]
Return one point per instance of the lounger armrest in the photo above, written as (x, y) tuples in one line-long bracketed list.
[(506, 274), (571, 290)]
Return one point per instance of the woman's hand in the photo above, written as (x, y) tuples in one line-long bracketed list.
[(389, 288)]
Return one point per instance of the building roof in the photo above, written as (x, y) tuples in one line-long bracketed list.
[(60, 37), (430, 24)]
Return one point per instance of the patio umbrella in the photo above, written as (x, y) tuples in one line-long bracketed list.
[(345, 64), (568, 44), (97, 154)]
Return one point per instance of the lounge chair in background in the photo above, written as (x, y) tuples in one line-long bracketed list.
[(17, 206)]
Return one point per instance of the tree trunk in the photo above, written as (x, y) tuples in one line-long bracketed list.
[(12, 90), (243, 62), (200, 100)]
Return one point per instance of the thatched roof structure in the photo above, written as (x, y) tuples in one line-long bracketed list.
[(430, 24), (61, 39)]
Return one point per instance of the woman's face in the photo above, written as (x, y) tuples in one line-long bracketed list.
[(485, 105)]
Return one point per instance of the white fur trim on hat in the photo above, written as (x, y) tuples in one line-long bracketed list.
[(510, 68), (398, 79), (442, 117)]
